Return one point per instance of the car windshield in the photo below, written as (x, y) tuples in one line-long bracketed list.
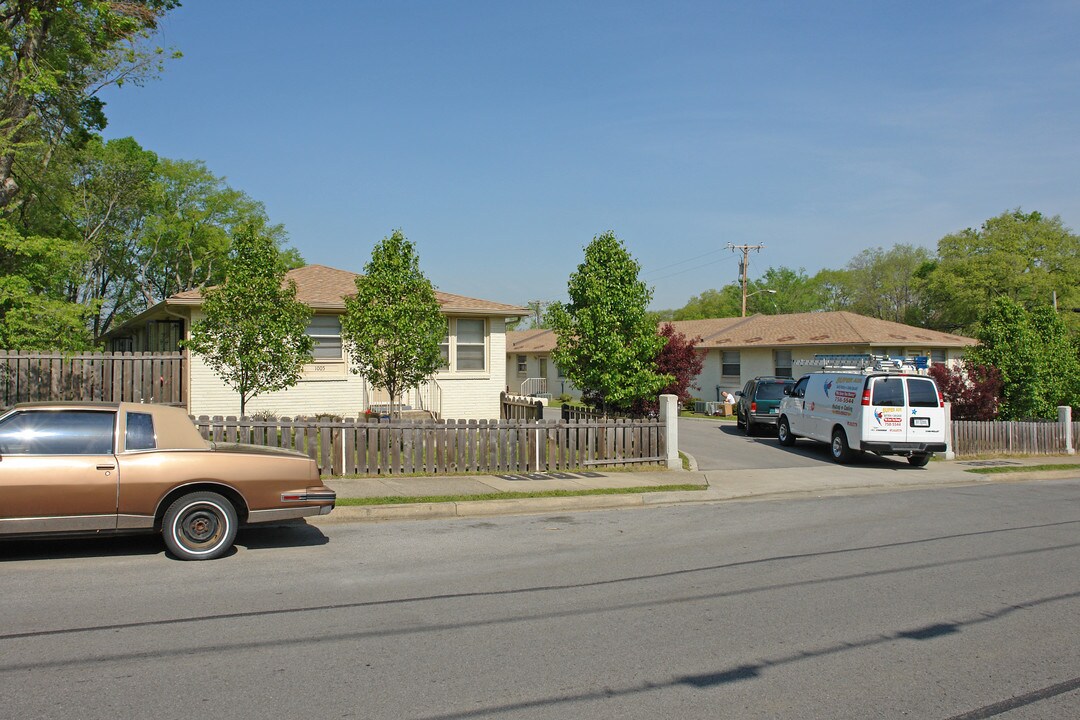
[(771, 390)]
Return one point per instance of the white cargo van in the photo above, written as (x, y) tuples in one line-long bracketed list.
[(866, 410)]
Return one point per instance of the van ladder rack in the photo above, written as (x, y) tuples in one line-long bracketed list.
[(861, 363)]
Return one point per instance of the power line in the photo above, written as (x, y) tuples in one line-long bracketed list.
[(683, 262)]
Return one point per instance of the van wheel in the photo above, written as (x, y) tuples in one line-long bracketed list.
[(783, 433), (919, 460), (841, 453)]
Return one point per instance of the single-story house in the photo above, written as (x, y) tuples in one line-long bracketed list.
[(467, 388), (741, 348)]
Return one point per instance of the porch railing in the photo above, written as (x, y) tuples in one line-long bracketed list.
[(534, 386)]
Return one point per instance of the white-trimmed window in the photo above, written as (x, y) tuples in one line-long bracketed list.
[(938, 356), (464, 348), (730, 364), (782, 360), (325, 330), (522, 365)]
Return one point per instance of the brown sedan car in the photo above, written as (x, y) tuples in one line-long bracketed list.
[(90, 468)]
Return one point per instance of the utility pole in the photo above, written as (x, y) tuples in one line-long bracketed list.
[(743, 265)]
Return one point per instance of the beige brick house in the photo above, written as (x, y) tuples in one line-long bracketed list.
[(738, 349), (468, 388)]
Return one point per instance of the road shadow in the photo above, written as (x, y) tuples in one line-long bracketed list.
[(297, 533), (817, 451), (257, 537), (80, 547)]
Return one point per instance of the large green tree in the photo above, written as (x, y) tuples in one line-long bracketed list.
[(34, 312), (393, 327), (184, 240), (113, 193), (607, 342), (778, 290), (1038, 362), (254, 330), (55, 56), (1026, 257), (879, 283)]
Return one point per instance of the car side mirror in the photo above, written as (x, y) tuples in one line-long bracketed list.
[(738, 393)]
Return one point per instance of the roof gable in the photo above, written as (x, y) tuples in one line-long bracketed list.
[(795, 330), (325, 288)]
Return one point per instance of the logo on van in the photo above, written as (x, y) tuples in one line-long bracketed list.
[(828, 387)]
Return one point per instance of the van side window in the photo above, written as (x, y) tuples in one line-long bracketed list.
[(888, 391), (922, 393), (799, 390)]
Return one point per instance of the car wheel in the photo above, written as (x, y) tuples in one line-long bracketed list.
[(750, 427), (783, 433), (739, 421), (199, 526), (919, 460), (841, 453)]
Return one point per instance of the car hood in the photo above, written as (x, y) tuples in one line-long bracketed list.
[(255, 450)]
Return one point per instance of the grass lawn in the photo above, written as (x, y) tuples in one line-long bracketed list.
[(1024, 468), (342, 502)]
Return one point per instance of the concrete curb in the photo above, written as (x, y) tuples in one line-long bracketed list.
[(716, 491)]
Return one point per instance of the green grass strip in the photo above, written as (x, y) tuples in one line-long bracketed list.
[(1023, 468), (402, 500)]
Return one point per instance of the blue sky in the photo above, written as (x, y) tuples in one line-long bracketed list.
[(502, 136)]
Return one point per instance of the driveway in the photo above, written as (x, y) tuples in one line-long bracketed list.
[(718, 445)]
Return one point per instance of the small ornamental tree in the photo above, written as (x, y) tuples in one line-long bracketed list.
[(254, 333), (680, 359), (393, 327), (974, 390), (606, 340)]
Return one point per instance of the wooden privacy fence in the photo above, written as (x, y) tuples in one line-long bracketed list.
[(514, 407), (385, 447), (27, 376), (981, 437)]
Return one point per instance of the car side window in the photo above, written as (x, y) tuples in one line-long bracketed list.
[(799, 390), (57, 432), (888, 391), (140, 432)]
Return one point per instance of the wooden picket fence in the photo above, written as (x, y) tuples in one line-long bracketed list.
[(403, 447), (27, 376), (971, 437)]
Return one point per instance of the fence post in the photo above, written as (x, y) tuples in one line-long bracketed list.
[(1065, 418), (669, 415), (950, 451)]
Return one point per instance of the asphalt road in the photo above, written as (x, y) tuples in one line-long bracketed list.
[(720, 445), (948, 603)]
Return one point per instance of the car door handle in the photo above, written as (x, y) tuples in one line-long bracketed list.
[(106, 467)]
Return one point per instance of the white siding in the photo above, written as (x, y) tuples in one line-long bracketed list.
[(335, 390), (475, 396)]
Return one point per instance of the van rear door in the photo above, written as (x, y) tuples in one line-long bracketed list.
[(886, 422), (925, 421)]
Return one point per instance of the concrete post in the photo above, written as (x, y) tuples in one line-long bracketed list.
[(950, 451), (669, 415), (1065, 417)]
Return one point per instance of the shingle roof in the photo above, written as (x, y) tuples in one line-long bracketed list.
[(800, 329), (325, 288)]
